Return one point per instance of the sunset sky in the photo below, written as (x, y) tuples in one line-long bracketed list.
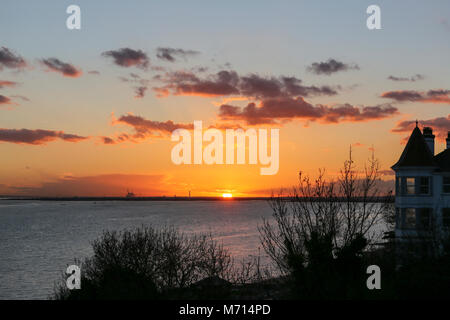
[(90, 111)]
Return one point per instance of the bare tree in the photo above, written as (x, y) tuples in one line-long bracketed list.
[(343, 210)]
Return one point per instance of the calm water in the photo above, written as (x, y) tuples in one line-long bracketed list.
[(38, 239)]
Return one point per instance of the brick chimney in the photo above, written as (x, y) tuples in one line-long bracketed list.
[(429, 138), (448, 140)]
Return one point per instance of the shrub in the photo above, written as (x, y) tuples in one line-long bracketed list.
[(147, 263)]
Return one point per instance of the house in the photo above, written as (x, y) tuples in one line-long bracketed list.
[(422, 188)]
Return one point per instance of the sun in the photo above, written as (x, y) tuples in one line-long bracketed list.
[(227, 195)]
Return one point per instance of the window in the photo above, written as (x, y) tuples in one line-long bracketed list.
[(398, 189), (424, 185), (410, 186), (397, 218), (446, 217), (425, 218), (446, 185), (410, 218)]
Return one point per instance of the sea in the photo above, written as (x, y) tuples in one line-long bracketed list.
[(39, 239)]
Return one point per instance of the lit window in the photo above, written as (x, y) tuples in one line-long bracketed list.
[(410, 186), (424, 185), (425, 218), (446, 185), (446, 217), (410, 218)]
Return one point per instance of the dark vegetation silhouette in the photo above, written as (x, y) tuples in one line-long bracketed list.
[(149, 263), (319, 237)]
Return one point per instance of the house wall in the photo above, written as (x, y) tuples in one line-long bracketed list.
[(436, 200)]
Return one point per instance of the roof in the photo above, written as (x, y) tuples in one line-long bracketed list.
[(443, 160), (416, 152)]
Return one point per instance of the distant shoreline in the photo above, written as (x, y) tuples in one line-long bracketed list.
[(162, 198)]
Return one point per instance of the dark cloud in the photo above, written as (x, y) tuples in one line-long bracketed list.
[(331, 66), (225, 83), (5, 83), (140, 92), (347, 112), (431, 96), (4, 100), (141, 84), (187, 83), (417, 77), (66, 69), (143, 129), (293, 87), (169, 54), (107, 140), (270, 111), (36, 137), (200, 69), (126, 57), (9, 59), (279, 110), (256, 86), (440, 125), (142, 125)]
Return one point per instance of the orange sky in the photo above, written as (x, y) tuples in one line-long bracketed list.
[(90, 112)]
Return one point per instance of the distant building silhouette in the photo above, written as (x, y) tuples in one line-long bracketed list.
[(422, 196), (130, 194)]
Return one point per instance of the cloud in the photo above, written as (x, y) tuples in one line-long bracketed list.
[(331, 66), (126, 57), (187, 83), (142, 125), (227, 82), (143, 129), (279, 110), (107, 140), (66, 69), (5, 83), (444, 22), (357, 144), (199, 69), (410, 79), (431, 96), (4, 100), (440, 125), (9, 59), (21, 97), (36, 137), (161, 92), (141, 83), (94, 72), (140, 92), (169, 54), (347, 112)]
